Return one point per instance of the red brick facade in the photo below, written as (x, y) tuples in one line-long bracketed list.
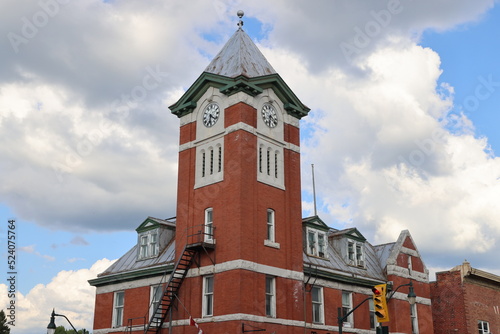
[(311, 266), (464, 296)]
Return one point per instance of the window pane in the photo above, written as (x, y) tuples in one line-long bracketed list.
[(321, 244), (209, 303), (119, 298)]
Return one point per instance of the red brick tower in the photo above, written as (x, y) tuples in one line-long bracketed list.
[(239, 194)]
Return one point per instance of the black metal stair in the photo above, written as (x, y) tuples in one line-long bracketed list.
[(170, 291)]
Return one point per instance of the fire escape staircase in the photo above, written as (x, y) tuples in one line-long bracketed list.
[(170, 291), (197, 241)]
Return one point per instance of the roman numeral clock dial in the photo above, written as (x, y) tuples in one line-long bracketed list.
[(211, 114), (269, 115)]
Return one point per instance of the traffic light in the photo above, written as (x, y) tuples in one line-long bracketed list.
[(380, 303)]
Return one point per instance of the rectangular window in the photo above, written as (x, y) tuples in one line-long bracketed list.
[(270, 296), (321, 245), (148, 244), (144, 247), (311, 242), (209, 225), (208, 296), (118, 309), (483, 327), (414, 319), (153, 244), (156, 294), (270, 225), (347, 305), (317, 304), (355, 254), (373, 317), (316, 243)]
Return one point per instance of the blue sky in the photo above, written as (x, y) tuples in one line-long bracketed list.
[(82, 166), (469, 52)]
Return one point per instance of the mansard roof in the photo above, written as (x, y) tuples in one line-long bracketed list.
[(128, 267), (333, 266)]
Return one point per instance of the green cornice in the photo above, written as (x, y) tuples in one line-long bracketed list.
[(229, 86), (131, 275)]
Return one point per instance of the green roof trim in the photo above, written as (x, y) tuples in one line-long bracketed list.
[(355, 234), (316, 223), (131, 275), (147, 225), (229, 86), (347, 278)]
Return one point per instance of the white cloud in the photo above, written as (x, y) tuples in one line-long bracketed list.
[(88, 142), (68, 292)]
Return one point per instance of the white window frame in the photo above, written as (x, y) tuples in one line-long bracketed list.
[(270, 225), (208, 296), (347, 307), (118, 309), (483, 327), (155, 298), (355, 253), (318, 307), (148, 244), (270, 164), (313, 246), (209, 225), (373, 316), (271, 296), (209, 162)]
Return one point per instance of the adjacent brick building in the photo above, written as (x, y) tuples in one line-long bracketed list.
[(238, 257), (466, 300)]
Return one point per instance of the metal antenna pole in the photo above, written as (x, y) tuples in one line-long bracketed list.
[(314, 191)]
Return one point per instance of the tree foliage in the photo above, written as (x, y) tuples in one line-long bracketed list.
[(62, 330), (4, 329)]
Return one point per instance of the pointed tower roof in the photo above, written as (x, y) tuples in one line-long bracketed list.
[(240, 56), (240, 67)]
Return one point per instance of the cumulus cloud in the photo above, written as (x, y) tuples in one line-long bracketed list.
[(88, 142), (68, 293)]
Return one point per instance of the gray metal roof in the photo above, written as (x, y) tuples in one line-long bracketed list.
[(375, 258), (129, 262), (336, 265), (240, 56)]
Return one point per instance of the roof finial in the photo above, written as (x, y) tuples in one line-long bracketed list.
[(240, 14)]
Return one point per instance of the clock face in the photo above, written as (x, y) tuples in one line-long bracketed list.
[(269, 115), (211, 114)]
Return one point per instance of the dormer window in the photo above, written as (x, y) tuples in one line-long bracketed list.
[(148, 244), (316, 243), (355, 253)]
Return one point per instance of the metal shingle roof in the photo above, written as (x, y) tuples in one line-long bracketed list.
[(240, 56)]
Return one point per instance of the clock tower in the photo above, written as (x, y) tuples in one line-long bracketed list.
[(239, 191)]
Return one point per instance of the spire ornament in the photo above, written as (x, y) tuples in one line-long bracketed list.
[(240, 14)]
